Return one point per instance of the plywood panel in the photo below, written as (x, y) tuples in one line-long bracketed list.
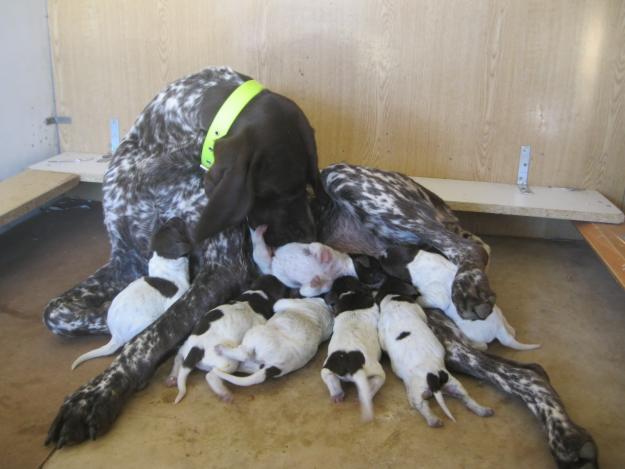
[(446, 89)]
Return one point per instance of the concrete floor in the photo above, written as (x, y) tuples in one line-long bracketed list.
[(555, 293)]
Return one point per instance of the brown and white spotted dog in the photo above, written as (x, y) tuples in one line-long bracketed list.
[(261, 173)]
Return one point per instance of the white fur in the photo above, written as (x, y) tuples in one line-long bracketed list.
[(288, 341), (357, 331), (433, 275), (139, 304), (416, 355), (228, 330), (311, 267)]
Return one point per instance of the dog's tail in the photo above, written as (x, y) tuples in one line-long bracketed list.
[(436, 383), (364, 395), (510, 341), (249, 380), (194, 356), (103, 351), (506, 335)]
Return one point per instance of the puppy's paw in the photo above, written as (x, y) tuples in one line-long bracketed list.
[(171, 381), (472, 295), (338, 398), (226, 398), (435, 423), (219, 349)]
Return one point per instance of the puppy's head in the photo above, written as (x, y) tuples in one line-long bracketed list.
[(400, 290), (172, 240), (348, 294), (271, 286), (262, 170), (368, 270), (396, 258)]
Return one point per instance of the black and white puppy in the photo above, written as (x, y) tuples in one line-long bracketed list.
[(144, 300), (225, 325), (434, 275), (287, 341), (354, 351), (311, 267), (417, 356)]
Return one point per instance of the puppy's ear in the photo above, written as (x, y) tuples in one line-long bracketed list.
[(228, 185)]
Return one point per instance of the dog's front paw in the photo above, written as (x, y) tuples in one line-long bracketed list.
[(171, 381), (575, 449), (90, 411), (337, 398), (472, 295)]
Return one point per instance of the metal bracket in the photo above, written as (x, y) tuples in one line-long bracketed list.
[(525, 158), (55, 120), (114, 131)]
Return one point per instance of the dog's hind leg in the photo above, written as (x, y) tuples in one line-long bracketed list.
[(376, 381), (173, 374), (82, 309), (455, 389), (416, 393), (334, 385), (217, 384), (570, 444)]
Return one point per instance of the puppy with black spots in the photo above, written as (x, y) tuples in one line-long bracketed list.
[(417, 356), (354, 351), (434, 275), (225, 325), (289, 340), (144, 300), (311, 267)]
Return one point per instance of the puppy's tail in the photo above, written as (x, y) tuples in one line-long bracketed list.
[(364, 395), (510, 341), (103, 351), (436, 383), (249, 380)]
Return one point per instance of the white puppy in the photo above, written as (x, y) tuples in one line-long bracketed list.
[(147, 298), (417, 357), (354, 350), (311, 267), (287, 341), (434, 275), (224, 325)]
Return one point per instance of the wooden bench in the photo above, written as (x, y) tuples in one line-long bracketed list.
[(30, 189), (608, 241)]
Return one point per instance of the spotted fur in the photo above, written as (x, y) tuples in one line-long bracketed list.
[(154, 175)]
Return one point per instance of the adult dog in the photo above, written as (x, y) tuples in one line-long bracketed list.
[(261, 173)]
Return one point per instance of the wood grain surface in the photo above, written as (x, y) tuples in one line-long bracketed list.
[(445, 88)]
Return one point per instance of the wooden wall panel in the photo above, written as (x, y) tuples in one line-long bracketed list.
[(432, 88)]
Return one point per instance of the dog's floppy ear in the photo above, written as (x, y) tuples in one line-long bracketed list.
[(228, 185), (308, 135)]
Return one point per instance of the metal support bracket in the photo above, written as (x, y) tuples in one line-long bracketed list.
[(55, 120), (525, 158), (114, 134)]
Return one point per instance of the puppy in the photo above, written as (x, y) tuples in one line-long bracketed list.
[(417, 357), (311, 267), (287, 341), (144, 300), (354, 350), (433, 275), (224, 325)]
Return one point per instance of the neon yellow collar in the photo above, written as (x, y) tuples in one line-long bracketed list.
[(225, 117)]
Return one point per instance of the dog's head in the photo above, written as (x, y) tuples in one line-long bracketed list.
[(368, 270), (271, 286), (262, 170), (400, 290), (348, 294), (171, 240), (396, 258)]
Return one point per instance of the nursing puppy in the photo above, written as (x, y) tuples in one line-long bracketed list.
[(225, 325), (354, 350), (287, 341), (144, 300), (417, 357), (433, 275), (311, 267)]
